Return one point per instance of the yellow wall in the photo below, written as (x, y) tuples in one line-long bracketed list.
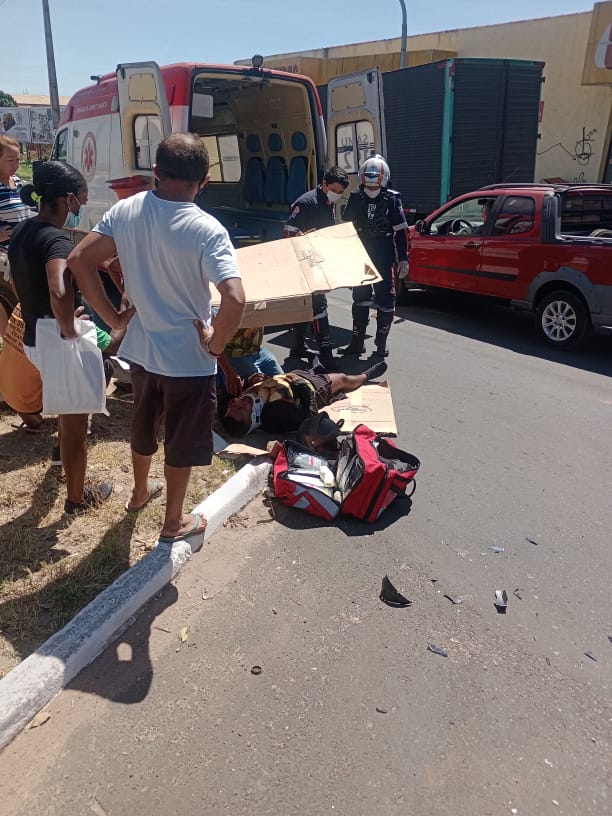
[(569, 106)]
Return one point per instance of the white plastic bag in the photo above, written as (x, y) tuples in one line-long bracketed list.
[(72, 371)]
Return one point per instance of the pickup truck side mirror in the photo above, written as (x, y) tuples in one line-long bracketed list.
[(422, 227)]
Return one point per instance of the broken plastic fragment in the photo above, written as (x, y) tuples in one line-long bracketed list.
[(182, 634), (255, 669), (501, 600), (516, 593), (431, 647), (497, 549), (531, 541), (591, 656), (390, 595), (382, 710), (453, 599)]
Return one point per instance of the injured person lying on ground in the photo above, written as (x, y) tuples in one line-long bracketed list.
[(281, 403)]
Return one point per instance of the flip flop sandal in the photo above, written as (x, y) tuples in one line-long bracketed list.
[(194, 531), (154, 491), (42, 428)]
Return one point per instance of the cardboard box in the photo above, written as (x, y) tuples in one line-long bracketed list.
[(280, 277), (370, 405)]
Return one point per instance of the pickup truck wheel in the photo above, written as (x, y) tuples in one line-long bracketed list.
[(563, 320)]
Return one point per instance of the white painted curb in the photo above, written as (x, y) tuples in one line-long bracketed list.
[(42, 675)]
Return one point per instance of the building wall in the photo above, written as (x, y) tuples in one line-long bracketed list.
[(575, 127)]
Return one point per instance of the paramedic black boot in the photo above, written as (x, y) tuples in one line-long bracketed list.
[(322, 334), (383, 324), (356, 346), (298, 349)]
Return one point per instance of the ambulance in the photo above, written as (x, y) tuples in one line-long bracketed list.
[(263, 130)]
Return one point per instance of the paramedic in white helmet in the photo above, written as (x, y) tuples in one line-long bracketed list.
[(378, 216)]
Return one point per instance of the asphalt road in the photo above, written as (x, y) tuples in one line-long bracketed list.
[(351, 714)]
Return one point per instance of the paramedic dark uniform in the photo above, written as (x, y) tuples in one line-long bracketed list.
[(381, 225), (313, 210)]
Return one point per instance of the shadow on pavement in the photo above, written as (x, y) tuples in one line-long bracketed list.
[(297, 520), (495, 323), (123, 673)]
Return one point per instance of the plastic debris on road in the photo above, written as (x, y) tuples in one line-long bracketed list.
[(182, 634), (431, 647), (454, 599), (382, 710), (531, 541), (390, 595), (255, 669), (591, 656), (501, 600), (497, 549)]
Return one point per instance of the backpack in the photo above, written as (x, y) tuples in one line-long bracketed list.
[(370, 472)]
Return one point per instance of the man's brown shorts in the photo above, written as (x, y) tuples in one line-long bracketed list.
[(321, 384), (186, 405)]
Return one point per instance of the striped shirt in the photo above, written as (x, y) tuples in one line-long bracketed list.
[(12, 208)]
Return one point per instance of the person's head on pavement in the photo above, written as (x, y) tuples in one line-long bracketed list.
[(181, 167), (243, 415)]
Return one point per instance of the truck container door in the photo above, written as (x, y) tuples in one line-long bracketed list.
[(144, 116), (355, 120)]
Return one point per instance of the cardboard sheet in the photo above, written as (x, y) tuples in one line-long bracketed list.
[(370, 405), (279, 277)]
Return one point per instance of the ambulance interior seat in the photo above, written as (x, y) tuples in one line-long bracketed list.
[(254, 175), (297, 183), (275, 185)]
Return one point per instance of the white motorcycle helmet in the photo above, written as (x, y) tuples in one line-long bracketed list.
[(374, 172)]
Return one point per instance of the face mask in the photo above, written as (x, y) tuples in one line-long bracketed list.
[(74, 221), (372, 192), (333, 197)]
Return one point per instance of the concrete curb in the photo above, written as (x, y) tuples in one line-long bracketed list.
[(42, 675)]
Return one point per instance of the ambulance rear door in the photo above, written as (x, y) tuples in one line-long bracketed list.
[(144, 115), (355, 120)]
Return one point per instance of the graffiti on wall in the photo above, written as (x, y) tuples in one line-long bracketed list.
[(583, 149)]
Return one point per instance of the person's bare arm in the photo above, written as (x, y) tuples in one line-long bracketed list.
[(83, 262), (226, 322), (62, 296), (233, 380)]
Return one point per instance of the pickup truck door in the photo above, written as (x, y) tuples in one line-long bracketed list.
[(355, 120), (144, 115), (449, 254), (511, 248)]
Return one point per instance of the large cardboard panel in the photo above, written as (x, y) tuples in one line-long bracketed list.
[(370, 405), (279, 277)]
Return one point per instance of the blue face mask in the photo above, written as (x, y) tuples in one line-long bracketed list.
[(74, 221)]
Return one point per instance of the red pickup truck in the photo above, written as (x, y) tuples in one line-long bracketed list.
[(543, 247)]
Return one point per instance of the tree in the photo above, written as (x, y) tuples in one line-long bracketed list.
[(6, 100)]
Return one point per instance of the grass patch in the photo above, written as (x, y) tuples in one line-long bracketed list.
[(51, 566)]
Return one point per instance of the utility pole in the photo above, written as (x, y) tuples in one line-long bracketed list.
[(404, 34), (53, 91)]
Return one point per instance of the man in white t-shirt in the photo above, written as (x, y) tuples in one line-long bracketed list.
[(170, 252)]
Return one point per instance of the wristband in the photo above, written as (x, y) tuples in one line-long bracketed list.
[(212, 353)]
